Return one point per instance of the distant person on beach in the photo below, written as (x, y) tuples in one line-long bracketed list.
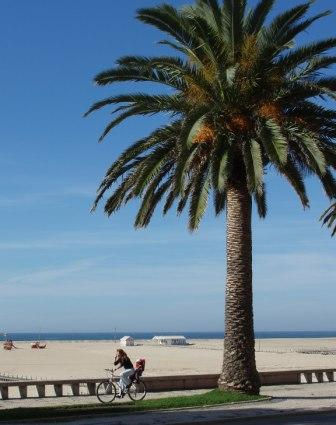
[(123, 360), (38, 345), (9, 344)]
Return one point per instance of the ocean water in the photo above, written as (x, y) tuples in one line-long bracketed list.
[(111, 336)]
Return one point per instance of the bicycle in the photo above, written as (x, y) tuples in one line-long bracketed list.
[(107, 390)]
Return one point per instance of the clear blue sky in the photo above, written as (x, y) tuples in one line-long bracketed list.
[(64, 269)]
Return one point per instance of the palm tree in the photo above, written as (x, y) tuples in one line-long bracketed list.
[(329, 217), (240, 100)]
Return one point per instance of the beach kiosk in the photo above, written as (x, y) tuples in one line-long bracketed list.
[(170, 340), (126, 341)]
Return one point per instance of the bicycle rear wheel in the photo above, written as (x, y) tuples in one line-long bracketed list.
[(137, 391), (106, 392)]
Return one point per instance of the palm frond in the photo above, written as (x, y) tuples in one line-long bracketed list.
[(213, 13), (289, 35), (252, 154), (315, 154), (158, 136), (316, 64), (329, 152), (233, 16), (147, 209), (256, 18), (199, 197), (175, 69), (152, 73), (295, 178), (329, 218), (260, 200), (210, 44), (136, 110), (221, 166), (115, 201), (269, 38), (329, 183), (184, 198), (219, 202), (183, 165), (167, 19), (171, 197), (196, 115), (305, 54), (153, 164), (274, 142), (141, 104)]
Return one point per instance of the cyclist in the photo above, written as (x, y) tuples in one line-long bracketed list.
[(123, 360)]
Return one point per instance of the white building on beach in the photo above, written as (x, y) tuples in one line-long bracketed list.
[(126, 341), (170, 340)]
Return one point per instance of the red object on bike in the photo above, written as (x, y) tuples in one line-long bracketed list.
[(140, 366)]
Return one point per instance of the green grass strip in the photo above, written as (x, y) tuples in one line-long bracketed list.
[(207, 399)]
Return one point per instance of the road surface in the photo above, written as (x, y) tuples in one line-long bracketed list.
[(311, 419)]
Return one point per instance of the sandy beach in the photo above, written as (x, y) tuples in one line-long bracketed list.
[(77, 359)]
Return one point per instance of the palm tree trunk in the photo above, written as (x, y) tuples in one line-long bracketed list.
[(239, 371)]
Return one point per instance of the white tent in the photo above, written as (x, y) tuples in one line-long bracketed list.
[(170, 340), (126, 341)]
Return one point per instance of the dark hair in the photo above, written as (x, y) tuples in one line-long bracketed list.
[(121, 353)]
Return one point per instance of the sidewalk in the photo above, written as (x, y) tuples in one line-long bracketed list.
[(287, 399)]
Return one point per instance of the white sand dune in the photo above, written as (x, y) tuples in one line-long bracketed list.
[(89, 358)]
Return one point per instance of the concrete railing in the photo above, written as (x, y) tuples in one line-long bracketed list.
[(8, 377), (82, 387), (304, 376), (47, 388)]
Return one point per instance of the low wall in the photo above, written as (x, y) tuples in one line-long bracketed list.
[(283, 377), (80, 387)]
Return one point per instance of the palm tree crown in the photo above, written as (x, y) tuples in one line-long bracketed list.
[(242, 101)]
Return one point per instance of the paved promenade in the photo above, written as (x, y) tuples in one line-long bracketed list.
[(287, 400)]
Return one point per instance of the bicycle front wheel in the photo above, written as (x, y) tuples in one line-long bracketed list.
[(106, 392), (137, 391)]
